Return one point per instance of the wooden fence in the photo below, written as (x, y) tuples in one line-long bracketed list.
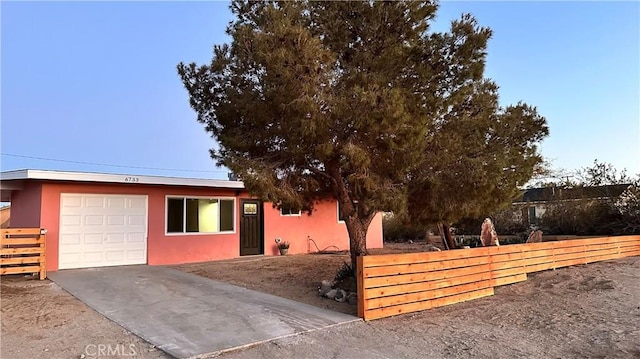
[(22, 250), (393, 284)]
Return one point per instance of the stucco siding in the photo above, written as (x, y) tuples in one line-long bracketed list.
[(38, 205), (25, 206), (162, 248), (322, 227)]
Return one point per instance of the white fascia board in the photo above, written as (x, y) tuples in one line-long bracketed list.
[(13, 175), (117, 178)]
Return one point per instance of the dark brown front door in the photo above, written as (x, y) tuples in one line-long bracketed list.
[(251, 227)]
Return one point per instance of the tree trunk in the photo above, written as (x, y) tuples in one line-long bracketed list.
[(449, 237), (357, 223), (445, 234), (357, 239), (443, 238)]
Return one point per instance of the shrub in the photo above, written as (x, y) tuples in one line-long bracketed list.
[(346, 271), (506, 221), (580, 217), (397, 228), (282, 244), (346, 278), (472, 241)]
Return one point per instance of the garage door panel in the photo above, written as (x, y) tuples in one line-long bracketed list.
[(105, 230), (94, 202), (92, 238), (92, 257), (93, 220), (70, 220), (136, 220), (136, 238), (135, 255), (88, 230), (115, 238), (70, 258), (115, 256), (115, 220), (138, 203), (116, 202), (70, 238), (71, 202)]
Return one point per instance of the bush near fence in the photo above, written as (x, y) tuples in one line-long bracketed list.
[(22, 250), (394, 284)]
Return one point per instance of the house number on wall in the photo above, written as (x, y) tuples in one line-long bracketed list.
[(131, 179)]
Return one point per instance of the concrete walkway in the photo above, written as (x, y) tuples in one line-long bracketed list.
[(187, 315)]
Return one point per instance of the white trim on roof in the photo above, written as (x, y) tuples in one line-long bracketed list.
[(116, 178)]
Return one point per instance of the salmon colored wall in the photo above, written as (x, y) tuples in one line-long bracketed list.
[(322, 226), (375, 236), (25, 206), (161, 248)]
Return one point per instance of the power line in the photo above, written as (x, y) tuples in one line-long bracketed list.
[(109, 165)]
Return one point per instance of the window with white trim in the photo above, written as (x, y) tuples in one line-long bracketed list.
[(200, 215), (340, 217), (288, 211)]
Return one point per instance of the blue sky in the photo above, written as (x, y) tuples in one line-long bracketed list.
[(96, 82)]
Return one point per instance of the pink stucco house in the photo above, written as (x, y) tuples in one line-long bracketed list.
[(96, 219)]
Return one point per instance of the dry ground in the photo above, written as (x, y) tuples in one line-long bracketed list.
[(40, 320), (590, 311), (295, 277)]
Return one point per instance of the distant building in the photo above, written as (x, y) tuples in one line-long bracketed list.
[(534, 201)]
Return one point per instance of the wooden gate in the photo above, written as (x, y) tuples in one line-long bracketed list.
[(22, 250)]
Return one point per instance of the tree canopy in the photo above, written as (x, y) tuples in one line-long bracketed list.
[(362, 102), (601, 174)]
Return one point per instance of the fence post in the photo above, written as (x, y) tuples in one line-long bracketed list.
[(553, 255), (360, 284), (524, 254), (492, 275), (43, 256)]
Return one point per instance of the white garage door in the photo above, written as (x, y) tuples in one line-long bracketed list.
[(102, 230)]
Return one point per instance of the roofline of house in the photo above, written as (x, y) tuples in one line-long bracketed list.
[(545, 199), (50, 175), (561, 200)]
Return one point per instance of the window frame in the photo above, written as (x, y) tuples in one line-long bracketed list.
[(184, 215), (291, 214), (338, 212)]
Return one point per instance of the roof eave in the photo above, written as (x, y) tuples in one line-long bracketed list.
[(47, 175)]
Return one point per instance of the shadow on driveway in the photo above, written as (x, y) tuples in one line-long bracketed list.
[(187, 315)]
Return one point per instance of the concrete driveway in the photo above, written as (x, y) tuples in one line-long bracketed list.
[(187, 315)]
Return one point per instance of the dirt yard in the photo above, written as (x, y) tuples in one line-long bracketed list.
[(40, 320), (295, 277), (590, 311)]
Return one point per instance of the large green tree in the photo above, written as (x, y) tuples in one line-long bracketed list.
[(478, 156), (350, 100)]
